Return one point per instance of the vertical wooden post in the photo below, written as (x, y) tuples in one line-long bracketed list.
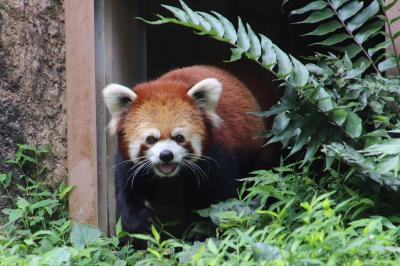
[(81, 110), (104, 44)]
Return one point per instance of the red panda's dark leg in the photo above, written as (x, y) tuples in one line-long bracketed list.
[(135, 216)]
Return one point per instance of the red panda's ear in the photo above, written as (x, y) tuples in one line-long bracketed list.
[(118, 99), (206, 93)]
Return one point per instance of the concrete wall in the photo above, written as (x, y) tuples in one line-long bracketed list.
[(32, 80)]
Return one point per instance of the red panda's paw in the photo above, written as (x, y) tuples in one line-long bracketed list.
[(138, 221)]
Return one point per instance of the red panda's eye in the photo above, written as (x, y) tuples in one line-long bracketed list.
[(151, 140), (179, 138)]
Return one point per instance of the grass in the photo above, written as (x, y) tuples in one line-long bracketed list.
[(282, 217)]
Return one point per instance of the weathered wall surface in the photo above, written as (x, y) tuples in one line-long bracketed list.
[(32, 80)]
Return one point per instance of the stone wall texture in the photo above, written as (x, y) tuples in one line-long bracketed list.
[(32, 80)]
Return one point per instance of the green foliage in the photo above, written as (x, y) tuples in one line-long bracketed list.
[(286, 218), (328, 102), (36, 229), (341, 20), (282, 217)]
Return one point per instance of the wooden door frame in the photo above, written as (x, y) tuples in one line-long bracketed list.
[(104, 44)]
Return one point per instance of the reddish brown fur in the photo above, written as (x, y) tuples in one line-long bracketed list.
[(165, 103)]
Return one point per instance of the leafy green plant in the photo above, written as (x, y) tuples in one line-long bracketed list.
[(359, 21), (36, 229), (306, 224), (327, 102), (282, 217)]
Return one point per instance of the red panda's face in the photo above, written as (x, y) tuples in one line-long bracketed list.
[(162, 126), (163, 133)]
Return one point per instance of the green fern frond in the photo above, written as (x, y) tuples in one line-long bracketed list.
[(352, 17), (244, 41)]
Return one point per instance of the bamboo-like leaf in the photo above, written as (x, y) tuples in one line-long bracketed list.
[(178, 13), (274, 110), (335, 39), (302, 139), (378, 47), (281, 121), (362, 63), (193, 17), (316, 5), (204, 23), (315, 143), (318, 16), (350, 9), (242, 39), (389, 164), (352, 50), (236, 54), (326, 28), (255, 46), (268, 58), (353, 125), (338, 3), (387, 64), (386, 147), (300, 75), (229, 29), (215, 24), (324, 100), (339, 116), (366, 32), (284, 64), (363, 16)]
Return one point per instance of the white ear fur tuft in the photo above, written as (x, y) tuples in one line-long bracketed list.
[(118, 99), (206, 93)]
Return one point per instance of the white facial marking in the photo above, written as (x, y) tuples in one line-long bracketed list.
[(152, 132), (196, 144), (179, 131), (153, 154), (134, 146)]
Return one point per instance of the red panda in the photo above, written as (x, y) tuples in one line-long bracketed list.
[(183, 140)]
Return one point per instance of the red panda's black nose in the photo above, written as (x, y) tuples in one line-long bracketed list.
[(166, 156)]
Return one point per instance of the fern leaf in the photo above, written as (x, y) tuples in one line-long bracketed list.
[(350, 10), (268, 58), (316, 5), (229, 29), (214, 23), (255, 45), (363, 16), (325, 28), (335, 39), (338, 3), (243, 41), (351, 17), (318, 16), (366, 32)]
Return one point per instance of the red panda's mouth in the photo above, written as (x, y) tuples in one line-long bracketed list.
[(166, 168)]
